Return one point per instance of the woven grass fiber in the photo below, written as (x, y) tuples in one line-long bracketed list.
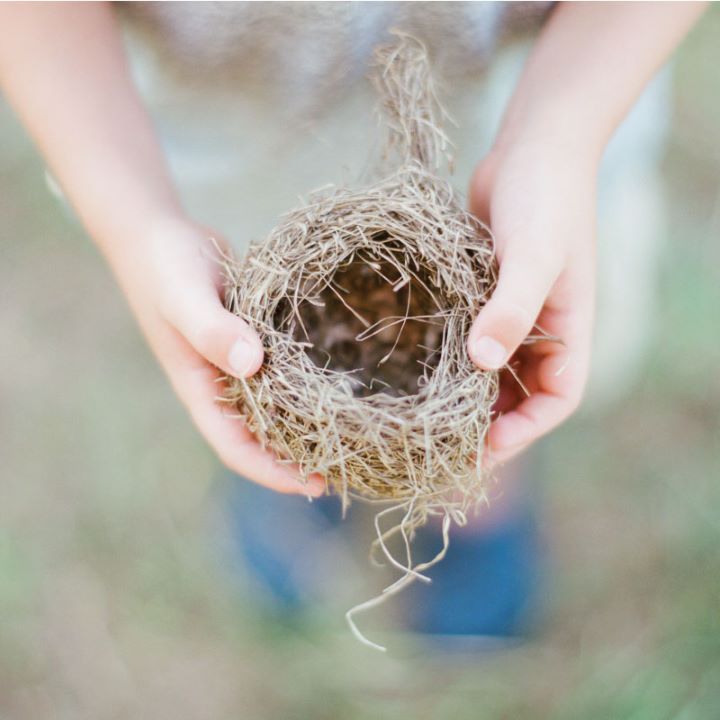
[(363, 299)]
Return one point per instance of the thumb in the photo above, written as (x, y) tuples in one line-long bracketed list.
[(188, 287), (524, 282), (224, 339)]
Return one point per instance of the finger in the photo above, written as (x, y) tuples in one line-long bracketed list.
[(191, 304), (189, 287), (525, 280), (561, 378), (196, 385), (532, 419), (226, 340)]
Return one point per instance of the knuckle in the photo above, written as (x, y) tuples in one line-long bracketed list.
[(206, 338), (547, 264), (519, 314), (513, 319)]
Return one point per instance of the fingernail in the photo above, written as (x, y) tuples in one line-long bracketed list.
[(242, 357), (488, 352), (316, 485)]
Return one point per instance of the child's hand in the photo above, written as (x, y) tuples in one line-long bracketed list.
[(536, 190), (174, 288), (63, 68), (539, 201)]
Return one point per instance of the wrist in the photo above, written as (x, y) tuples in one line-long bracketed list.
[(136, 251), (129, 235), (560, 128), (145, 263)]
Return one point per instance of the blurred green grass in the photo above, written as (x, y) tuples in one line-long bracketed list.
[(113, 603)]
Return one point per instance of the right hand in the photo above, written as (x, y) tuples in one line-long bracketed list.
[(539, 200), (174, 286)]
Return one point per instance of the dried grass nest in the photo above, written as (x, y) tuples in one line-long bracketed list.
[(363, 300)]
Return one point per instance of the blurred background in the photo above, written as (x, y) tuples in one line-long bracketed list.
[(116, 599)]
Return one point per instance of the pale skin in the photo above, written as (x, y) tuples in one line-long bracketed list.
[(63, 68)]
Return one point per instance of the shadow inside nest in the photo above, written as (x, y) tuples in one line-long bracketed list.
[(379, 327)]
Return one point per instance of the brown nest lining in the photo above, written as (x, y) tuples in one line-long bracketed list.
[(363, 300)]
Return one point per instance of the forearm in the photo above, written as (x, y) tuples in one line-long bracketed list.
[(589, 65), (63, 69)]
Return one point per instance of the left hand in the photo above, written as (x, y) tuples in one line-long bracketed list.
[(539, 200)]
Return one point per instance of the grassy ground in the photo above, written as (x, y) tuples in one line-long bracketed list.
[(112, 599)]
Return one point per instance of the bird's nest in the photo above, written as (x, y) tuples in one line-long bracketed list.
[(363, 300)]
